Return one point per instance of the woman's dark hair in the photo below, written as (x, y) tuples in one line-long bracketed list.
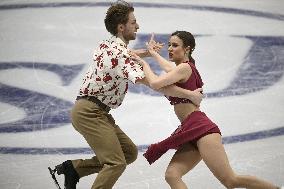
[(117, 14), (188, 40)]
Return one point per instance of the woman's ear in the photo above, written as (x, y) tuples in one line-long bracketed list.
[(187, 49)]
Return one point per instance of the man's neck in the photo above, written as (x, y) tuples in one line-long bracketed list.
[(123, 39)]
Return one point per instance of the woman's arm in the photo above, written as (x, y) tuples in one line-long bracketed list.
[(179, 73), (166, 65), (165, 83), (173, 90)]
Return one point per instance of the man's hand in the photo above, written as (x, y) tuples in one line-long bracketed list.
[(136, 58), (196, 96), (141, 52)]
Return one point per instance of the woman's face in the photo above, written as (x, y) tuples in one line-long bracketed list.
[(177, 52)]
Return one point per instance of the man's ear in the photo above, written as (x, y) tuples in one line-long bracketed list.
[(120, 28)]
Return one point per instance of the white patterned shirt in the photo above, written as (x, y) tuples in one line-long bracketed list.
[(107, 77)]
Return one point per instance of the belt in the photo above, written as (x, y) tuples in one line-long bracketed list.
[(96, 101)]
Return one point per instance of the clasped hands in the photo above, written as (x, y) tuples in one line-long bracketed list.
[(152, 47)]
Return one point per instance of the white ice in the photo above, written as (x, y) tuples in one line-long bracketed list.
[(69, 35)]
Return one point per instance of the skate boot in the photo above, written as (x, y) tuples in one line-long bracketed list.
[(71, 177)]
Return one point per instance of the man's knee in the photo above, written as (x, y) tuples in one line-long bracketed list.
[(116, 168), (121, 167)]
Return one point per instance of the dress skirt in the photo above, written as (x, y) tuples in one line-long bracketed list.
[(194, 127)]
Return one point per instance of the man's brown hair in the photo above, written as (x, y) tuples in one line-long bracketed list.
[(117, 14)]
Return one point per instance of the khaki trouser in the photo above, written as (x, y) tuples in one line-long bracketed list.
[(113, 148)]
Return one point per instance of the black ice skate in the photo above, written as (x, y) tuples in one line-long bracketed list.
[(71, 177)]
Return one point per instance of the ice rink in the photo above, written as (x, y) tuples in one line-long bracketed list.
[(46, 46)]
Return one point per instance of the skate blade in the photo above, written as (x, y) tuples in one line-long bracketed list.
[(52, 173)]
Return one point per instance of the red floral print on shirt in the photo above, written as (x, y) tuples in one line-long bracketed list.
[(108, 76)]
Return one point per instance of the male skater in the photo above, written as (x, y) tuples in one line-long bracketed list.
[(104, 87)]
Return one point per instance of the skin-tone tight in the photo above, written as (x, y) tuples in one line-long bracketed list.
[(211, 150)]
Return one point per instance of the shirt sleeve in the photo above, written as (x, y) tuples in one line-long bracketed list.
[(129, 69)]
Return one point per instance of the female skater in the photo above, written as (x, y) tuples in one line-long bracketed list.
[(197, 138)]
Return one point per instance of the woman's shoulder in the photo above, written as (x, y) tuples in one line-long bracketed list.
[(184, 67)]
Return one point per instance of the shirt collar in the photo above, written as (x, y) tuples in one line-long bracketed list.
[(118, 41)]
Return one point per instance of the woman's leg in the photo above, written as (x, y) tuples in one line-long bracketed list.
[(213, 154), (185, 159)]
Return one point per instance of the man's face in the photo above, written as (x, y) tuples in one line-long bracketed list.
[(130, 28)]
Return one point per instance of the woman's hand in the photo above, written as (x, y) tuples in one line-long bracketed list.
[(153, 46)]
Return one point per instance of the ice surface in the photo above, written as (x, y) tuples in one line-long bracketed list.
[(47, 45)]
